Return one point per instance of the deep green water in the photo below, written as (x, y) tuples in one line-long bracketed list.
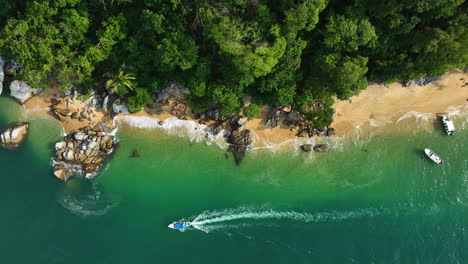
[(374, 200)]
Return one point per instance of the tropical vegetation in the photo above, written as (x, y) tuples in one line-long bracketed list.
[(281, 52)]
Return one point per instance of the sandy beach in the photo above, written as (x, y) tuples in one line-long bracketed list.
[(387, 103), (39, 106), (378, 104)]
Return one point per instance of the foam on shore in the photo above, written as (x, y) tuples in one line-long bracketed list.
[(192, 130)]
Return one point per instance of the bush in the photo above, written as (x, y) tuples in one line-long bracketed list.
[(253, 110)]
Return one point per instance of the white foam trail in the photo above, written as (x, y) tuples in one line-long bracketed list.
[(176, 127), (208, 221)]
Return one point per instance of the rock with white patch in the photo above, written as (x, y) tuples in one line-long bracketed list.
[(21, 91), (14, 135)]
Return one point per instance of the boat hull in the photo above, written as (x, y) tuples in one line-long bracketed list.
[(179, 225), (434, 157)]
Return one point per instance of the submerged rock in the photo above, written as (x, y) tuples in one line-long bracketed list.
[(21, 91), (14, 135), (307, 147), (135, 154), (321, 147)]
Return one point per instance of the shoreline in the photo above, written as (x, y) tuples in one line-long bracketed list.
[(376, 106)]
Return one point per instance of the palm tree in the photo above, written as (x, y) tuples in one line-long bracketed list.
[(121, 83)]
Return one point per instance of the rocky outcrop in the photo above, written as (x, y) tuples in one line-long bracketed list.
[(2, 74), (173, 91), (273, 116), (178, 109), (119, 108), (14, 135), (62, 114), (306, 147), (321, 147), (239, 139), (21, 91), (421, 81), (82, 152)]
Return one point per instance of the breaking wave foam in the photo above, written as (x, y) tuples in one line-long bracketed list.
[(417, 115), (172, 126)]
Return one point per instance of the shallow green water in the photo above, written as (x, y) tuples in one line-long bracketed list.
[(376, 200)]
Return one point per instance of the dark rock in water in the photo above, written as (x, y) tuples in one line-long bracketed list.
[(75, 115), (320, 147), (160, 122), (330, 131), (239, 141), (307, 147), (14, 135), (135, 154)]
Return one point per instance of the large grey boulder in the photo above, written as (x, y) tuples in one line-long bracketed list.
[(21, 91), (119, 108), (14, 135)]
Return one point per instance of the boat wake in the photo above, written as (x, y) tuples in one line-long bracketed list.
[(244, 217), (86, 200)]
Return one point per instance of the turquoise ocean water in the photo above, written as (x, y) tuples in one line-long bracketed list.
[(376, 199)]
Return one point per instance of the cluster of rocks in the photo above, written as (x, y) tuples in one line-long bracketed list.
[(238, 136), (173, 91), (14, 135), (293, 119), (318, 147), (421, 81), (83, 152), (81, 114)]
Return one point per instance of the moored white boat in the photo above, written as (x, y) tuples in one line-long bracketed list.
[(448, 125), (434, 157)]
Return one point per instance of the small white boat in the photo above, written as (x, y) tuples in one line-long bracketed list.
[(448, 125), (179, 225), (434, 157)]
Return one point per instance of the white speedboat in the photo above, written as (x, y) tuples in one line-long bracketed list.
[(180, 225), (448, 125), (434, 157)]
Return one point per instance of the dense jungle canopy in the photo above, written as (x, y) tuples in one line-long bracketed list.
[(277, 51)]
